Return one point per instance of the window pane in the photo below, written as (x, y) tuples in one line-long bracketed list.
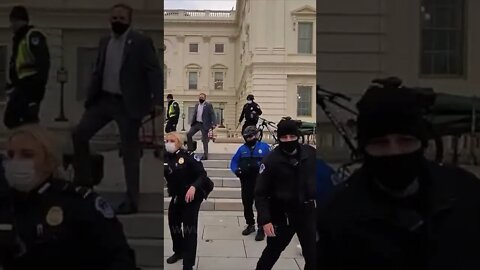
[(194, 47), (191, 112), (219, 48), (86, 60), (218, 114), (443, 36), (192, 80), (3, 71), (305, 32), (304, 101), (218, 80)]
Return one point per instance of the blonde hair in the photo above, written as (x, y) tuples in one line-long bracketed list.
[(179, 137), (45, 138)]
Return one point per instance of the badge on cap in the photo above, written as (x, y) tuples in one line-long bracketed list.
[(103, 207), (55, 216), (35, 41), (260, 151), (262, 168), (181, 161)]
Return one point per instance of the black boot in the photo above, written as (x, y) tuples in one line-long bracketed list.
[(174, 258), (260, 235), (250, 229)]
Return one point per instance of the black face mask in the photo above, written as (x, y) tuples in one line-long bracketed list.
[(251, 143), (289, 147), (119, 28), (395, 172), (201, 100)]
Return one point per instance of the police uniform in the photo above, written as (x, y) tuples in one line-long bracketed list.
[(29, 70), (285, 196), (173, 113), (183, 170), (250, 112), (245, 164), (59, 226)]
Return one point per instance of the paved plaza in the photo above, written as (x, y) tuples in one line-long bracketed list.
[(222, 246)]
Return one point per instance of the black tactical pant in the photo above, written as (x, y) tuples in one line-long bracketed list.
[(248, 193), (302, 223), (184, 240), (171, 126), (21, 109)]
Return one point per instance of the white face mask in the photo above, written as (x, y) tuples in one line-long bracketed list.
[(171, 147), (249, 101), (20, 174)]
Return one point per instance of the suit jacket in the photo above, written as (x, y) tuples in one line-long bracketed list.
[(140, 75), (208, 116)]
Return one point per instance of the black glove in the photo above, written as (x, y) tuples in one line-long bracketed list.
[(238, 173)]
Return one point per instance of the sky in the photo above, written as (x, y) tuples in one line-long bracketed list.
[(200, 4)]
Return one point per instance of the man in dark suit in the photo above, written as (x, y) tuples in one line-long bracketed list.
[(203, 120), (126, 85)]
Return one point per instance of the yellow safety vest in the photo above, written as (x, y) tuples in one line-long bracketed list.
[(171, 111), (25, 60)]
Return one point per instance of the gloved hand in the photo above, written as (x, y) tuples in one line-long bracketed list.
[(238, 173)]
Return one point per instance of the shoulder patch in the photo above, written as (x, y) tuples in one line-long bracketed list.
[(262, 168), (104, 208), (35, 40), (197, 157)]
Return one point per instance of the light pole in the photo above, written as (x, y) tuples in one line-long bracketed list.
[(222, 107), (183, 121), (62, 78)]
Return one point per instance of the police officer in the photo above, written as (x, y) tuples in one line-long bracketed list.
[(173, 113), (29, 69), (400, 211), (245, 164), (54, 224), (186, 180), (285, 196), (251, 111)]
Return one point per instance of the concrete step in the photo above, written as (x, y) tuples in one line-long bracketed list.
[(222, 164), (143, 226), (215, 204), (149, 202), (148, 252), (217, 172), (221, 192), (217, 156), (232, 182)]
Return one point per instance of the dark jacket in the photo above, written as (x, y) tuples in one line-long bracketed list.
[(360, 229), (250, 112), (182, 171), (140, 75), (208, 116), (33, 86), (61, 227), (283, 186)]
